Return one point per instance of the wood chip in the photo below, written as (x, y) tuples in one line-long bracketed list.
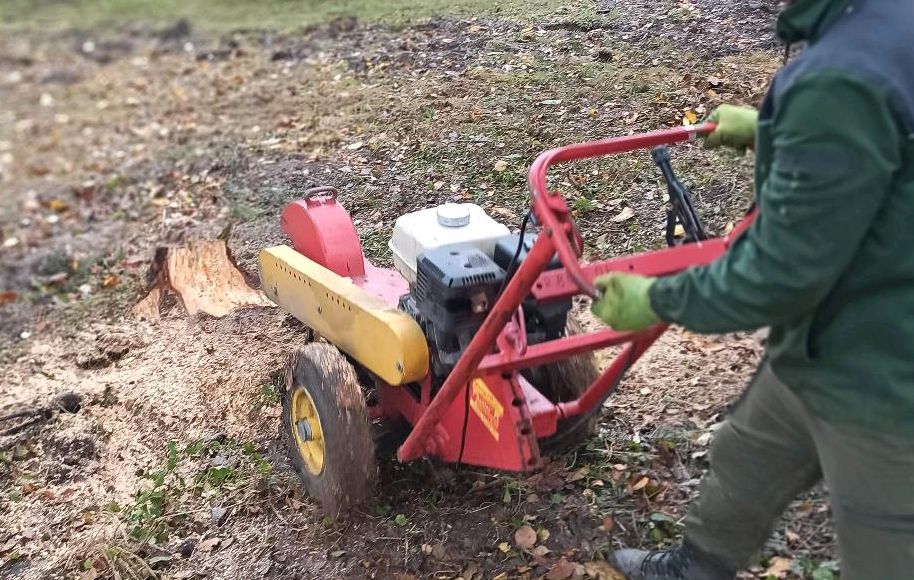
[(626, 214)]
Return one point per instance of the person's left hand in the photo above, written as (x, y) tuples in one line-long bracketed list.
[(736, 127), (624, 304)]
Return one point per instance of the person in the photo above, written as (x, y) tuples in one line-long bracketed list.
[(828, 265)]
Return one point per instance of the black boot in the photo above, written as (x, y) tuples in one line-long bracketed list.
[(683, 563)]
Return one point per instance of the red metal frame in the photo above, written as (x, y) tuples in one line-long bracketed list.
[(431, 434), (486, 413)]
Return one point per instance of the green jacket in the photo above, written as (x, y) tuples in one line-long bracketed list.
[(829, 263)]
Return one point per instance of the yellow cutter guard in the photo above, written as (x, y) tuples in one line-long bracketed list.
[(386, 341)]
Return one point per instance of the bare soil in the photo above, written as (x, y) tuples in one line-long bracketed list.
[(133, 449)]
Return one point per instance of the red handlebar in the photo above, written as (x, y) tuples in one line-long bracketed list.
[(551, 209), (555, 219)]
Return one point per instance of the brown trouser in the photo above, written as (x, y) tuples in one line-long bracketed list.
[(770, 449)]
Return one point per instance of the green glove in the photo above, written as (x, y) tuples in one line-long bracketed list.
[(736, 127), (625, 304)]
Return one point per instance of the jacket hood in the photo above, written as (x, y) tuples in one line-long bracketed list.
[(808, 19)]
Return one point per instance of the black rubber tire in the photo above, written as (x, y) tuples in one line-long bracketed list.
[(564, 381), (349, 472)]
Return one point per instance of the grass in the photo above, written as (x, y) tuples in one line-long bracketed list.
[(194, 479), (224, 15)]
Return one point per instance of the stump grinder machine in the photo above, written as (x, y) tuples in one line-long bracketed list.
[(467, 348)]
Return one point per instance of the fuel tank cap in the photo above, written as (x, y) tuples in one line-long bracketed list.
[(453, 215)]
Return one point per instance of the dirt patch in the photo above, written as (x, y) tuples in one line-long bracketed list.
[(709, 28)]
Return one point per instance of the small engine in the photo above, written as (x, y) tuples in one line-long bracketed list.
[(455, 284), (456, 287)]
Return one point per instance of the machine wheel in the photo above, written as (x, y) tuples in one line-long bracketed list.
[(563, 381), (326, 428)]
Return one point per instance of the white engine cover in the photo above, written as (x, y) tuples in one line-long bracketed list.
[(451, 223)]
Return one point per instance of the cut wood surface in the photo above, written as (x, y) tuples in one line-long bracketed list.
[(204, 278)]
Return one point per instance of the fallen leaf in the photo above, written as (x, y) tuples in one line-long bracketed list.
[(690, 117), (578, 475), (355, 146), (542, 534), (471, 570), (21, 451), (438, 552), (540, 551), (778, 567), (58, 205), (641, 483), (504, 547), (678, 231), (159, 558), (503, 212), (626, 214), (55, 278), (500, 165), (602, 571), (208, 545), (551, 102), (525, 537), (110, 281), (661, 517), (8, 296), (437, 185), (561, 570)]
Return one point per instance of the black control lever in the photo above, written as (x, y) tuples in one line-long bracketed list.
[(680, 210)]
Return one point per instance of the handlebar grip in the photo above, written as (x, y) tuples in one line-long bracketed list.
[(546, 212)]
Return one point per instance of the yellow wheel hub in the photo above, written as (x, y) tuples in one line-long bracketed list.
[(306, 426)]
